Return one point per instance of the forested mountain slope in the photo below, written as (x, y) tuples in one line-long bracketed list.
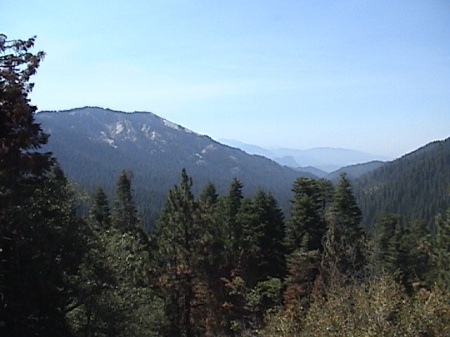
[(416, 185), (355, 171), (93, 145)]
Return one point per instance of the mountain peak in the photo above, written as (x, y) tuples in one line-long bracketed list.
[(94, 144)]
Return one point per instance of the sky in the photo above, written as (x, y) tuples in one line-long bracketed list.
[(372, 76)]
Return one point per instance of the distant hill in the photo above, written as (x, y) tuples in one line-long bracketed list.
[(355, 171), (326, 159), (416, 185), (93, 145), (313, 170)]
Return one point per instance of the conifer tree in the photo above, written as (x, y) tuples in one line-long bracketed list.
[(305, 230), (115, 293), (345, 246), (306, 226), (124, 213), (100, 213), (208, 196), (231, 204), (31, 301), (174, 243), (257, 284), (211, 263), (389, 251), (418, 267), (270, 217), (441, 250)]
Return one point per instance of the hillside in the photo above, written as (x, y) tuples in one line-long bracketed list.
[(93, 145), (355, 171), (416, 185)]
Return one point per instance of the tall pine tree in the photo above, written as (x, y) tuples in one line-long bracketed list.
[(174, 243), (31, 302), (344, 245), (124, 214), (305, 230), (100, 213)]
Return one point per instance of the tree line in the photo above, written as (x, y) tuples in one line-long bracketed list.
[(214, 265)]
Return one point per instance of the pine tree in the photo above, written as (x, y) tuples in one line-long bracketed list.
[(305, 230), (418, 243), (306, 226), (208, 196), (344, 245), (20, 163), (257, 285), (174, 242), (100, 213), (115, 290), (31, 302), (211, 263), (389, 251), (124, 213), (230, 206), (441, 250), (270, 217)]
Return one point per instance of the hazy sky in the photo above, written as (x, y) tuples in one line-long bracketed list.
[(366, 75)]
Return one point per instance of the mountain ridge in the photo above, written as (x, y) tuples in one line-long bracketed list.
[(416, 185), (94, 144)]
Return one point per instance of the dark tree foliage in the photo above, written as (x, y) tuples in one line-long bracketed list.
[(307, 225), (211, 263), (124, 213), (114, 291), (416, 185), (344, 241), (176, 258), (20, 163), (272, 258), (305, 230), (32, 220), (417, 243), (441, 250), (100, 213), (389, 249), (231, 205)]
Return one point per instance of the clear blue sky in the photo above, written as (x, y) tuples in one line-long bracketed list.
[(367, 75)]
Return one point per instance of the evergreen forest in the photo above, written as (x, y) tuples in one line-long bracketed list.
[(214, 264)]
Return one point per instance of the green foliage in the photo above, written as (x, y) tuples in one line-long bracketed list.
[(115, 293), (417, 268), (99, 213), (35, 218), (114, 288), (124, 213), (344, 245), (176, 258), (377, 307), (390, 251), (305, 231), (440, 246), (415, 185), (306, 226), (271, 262)]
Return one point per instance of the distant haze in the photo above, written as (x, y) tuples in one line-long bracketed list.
[(324, 158)]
